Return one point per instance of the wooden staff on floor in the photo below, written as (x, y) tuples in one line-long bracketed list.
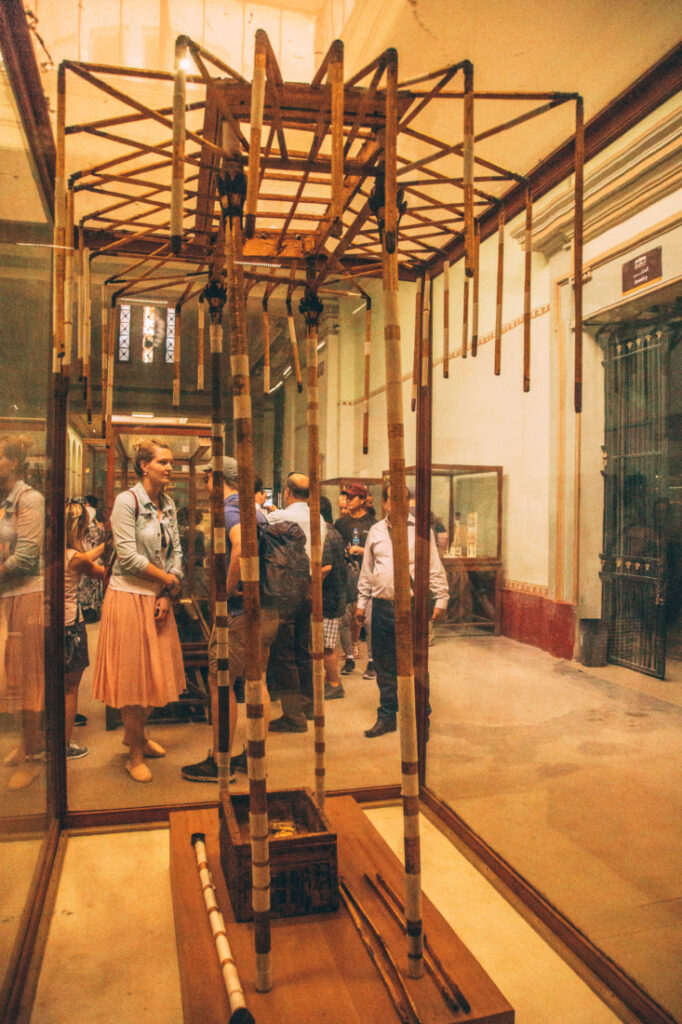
[(233, 986), (256, 121), (446, 318), (311, 307), (178, 166), (578, 252), (337, 95), (401, 565), (368, 351), (200, 345), (294, 345), (528, 236), (476, 287), (500, 291), (266, 347), (418, 311), (250, 576)]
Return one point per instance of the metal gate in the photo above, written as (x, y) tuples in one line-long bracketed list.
[(633, 562)]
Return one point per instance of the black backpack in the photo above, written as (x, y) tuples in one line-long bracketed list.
[(284, 567)]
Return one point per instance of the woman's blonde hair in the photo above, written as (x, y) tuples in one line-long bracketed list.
[(145, 450), (76, 521)]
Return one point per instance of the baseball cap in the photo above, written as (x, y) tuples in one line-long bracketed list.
[(228, 466), (356, 491)]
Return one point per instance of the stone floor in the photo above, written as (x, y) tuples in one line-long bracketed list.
[(110, 954)]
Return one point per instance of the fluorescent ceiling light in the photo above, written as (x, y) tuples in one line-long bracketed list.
[(361, 306), (256, 263), (287, 372), (321, 345), (142, 415), (278, 385)]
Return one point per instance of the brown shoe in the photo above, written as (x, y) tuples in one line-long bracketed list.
[(379, 728)]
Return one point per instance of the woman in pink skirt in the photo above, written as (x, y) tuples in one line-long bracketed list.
[(139, 661)]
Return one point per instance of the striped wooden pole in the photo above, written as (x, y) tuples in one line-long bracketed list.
[(311, 307), (468, 167), (178, 166), (176, 356), (337, 96), (266, 348), (109, 405), (401, 569), (465, 318), (426, 327), (446, 319), (476, 286), (418, 311), (81, 301), (68, 274), (104, 315), (294, 346), (368, 351), (200, 346), (500, 291), (578, 252), (528, 236), (257, 107), (87, 334), (59, 362), (250, 575)]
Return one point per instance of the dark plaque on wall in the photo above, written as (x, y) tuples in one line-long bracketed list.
[(642, 270)]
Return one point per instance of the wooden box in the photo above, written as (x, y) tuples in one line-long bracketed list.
[(303, 863)]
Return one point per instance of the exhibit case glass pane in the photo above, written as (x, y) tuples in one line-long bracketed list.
[(25, 349)]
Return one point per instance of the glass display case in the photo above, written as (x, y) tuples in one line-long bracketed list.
[(466, 510)]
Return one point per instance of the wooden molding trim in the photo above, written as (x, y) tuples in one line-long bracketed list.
[(124, 816), (24, 76), (526, 588), (595, 959), (19, 966)]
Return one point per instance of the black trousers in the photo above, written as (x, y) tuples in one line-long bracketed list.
[(291, 663), (384, 658)]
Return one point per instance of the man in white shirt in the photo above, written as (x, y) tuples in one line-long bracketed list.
[(376, 582), (291, 662)]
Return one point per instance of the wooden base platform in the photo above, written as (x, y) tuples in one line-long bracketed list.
[(322, 972)]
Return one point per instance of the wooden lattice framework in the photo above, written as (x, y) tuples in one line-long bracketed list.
[(329, 183)]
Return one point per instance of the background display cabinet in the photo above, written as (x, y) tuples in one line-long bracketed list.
[(466, 509)]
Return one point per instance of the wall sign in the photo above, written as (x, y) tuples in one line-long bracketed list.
[(642, 270)]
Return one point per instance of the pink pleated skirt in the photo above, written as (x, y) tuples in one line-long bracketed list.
[(139, 660), (22, 647)]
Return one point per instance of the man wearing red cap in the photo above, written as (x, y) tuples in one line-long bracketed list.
[(354, 527)]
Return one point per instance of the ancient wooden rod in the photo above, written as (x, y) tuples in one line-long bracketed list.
[(425, 357), (59, 363), (104, 322), (500, 291), (200, 346), (446, 319), (266, 347), (394, 991), (117, 279), (528, 241), (68, 278), (127, 72), (418, 312), (250, 576), (141, 107), (468, 169), (211, 57), (363, 72), (411, 114), (517, 120), (337, 95), (578, 252), (353, 900), (450, 69), (368, 350), (476, 290), (294, 345), (87, 334), (178, 170), (176, 356), (465, 318), (401, 562), (109, 409), (81, 301), (228, 968), (477, 159), (450, 991), (257, 105), (367, 98), (311, 307)]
